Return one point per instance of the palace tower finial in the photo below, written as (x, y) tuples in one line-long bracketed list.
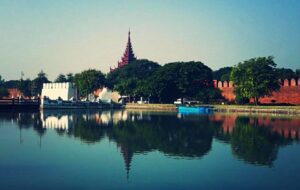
[(128, 55)]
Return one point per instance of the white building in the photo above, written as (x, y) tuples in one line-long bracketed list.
[(64, 90)]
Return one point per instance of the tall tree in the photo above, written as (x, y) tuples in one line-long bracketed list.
[(25, 87), (283, 73), (70, 77), (180, 79), (3, 92), (37, 83), (61, 78), (1, 81), (139, 69), (131, 79), (298, 73), (89, 80), (222, 74), (255, 78)]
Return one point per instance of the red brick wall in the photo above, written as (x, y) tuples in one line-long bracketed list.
[(289, 92), (14, 93)]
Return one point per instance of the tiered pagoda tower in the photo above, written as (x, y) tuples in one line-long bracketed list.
[(128, 55)]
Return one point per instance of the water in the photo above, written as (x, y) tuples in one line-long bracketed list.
[(148, 150)]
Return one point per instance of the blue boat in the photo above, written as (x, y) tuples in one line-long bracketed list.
[(195, 109)]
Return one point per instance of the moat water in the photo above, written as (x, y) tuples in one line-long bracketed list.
[(148, 150)]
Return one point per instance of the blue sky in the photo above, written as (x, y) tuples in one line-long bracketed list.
[(73, 35)]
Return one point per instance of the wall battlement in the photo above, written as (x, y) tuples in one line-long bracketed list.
[(58, 85), (289, 92), (64, 90), (285, 82)]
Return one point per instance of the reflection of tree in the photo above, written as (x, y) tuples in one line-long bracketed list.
[(25, 120), (37, 126), (253, 143), (87, 130), (253, 139), (165, 133)]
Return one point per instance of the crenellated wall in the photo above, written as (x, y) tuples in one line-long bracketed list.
[(64, 90), (227, 89), (289, 92)]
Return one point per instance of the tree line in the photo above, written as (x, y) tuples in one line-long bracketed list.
[(253, 78)]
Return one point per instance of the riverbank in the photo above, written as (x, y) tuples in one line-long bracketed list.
[(158, 107), (295, 110)]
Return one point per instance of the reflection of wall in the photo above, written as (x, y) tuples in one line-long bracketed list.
[(55, 122), (284, 127), (108, 117), (228, 121)]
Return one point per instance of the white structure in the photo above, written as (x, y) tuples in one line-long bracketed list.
[(105, 95), (65, 90)]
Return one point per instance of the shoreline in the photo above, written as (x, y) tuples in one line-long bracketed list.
[(289, 110)]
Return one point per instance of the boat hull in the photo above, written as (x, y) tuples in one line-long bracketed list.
[(198, 109)]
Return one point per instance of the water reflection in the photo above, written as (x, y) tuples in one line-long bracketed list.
[(257, 139), (253, 139)]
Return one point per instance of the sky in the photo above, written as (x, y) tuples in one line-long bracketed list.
[(74, 35)]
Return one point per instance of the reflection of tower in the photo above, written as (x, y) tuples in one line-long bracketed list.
[(21, 137), (127, 156), (20, 127), (40, 143), (40, 131)]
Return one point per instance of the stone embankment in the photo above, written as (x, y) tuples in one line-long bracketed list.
[(294, 110), (154, 107)]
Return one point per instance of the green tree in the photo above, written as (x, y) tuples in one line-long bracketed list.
[(283, 73), (210, 95), (222, 74), (37, 83), (1, 81), (10, 84), (89, 80), (70, 77), (3, 92), (61, 78), (25, 87), (239, 98), (255, 78), (298, 73), (179, 80), (131, 79), (126, 86)]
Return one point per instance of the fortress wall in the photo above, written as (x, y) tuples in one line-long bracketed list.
[(288, 93), (63, 90)]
